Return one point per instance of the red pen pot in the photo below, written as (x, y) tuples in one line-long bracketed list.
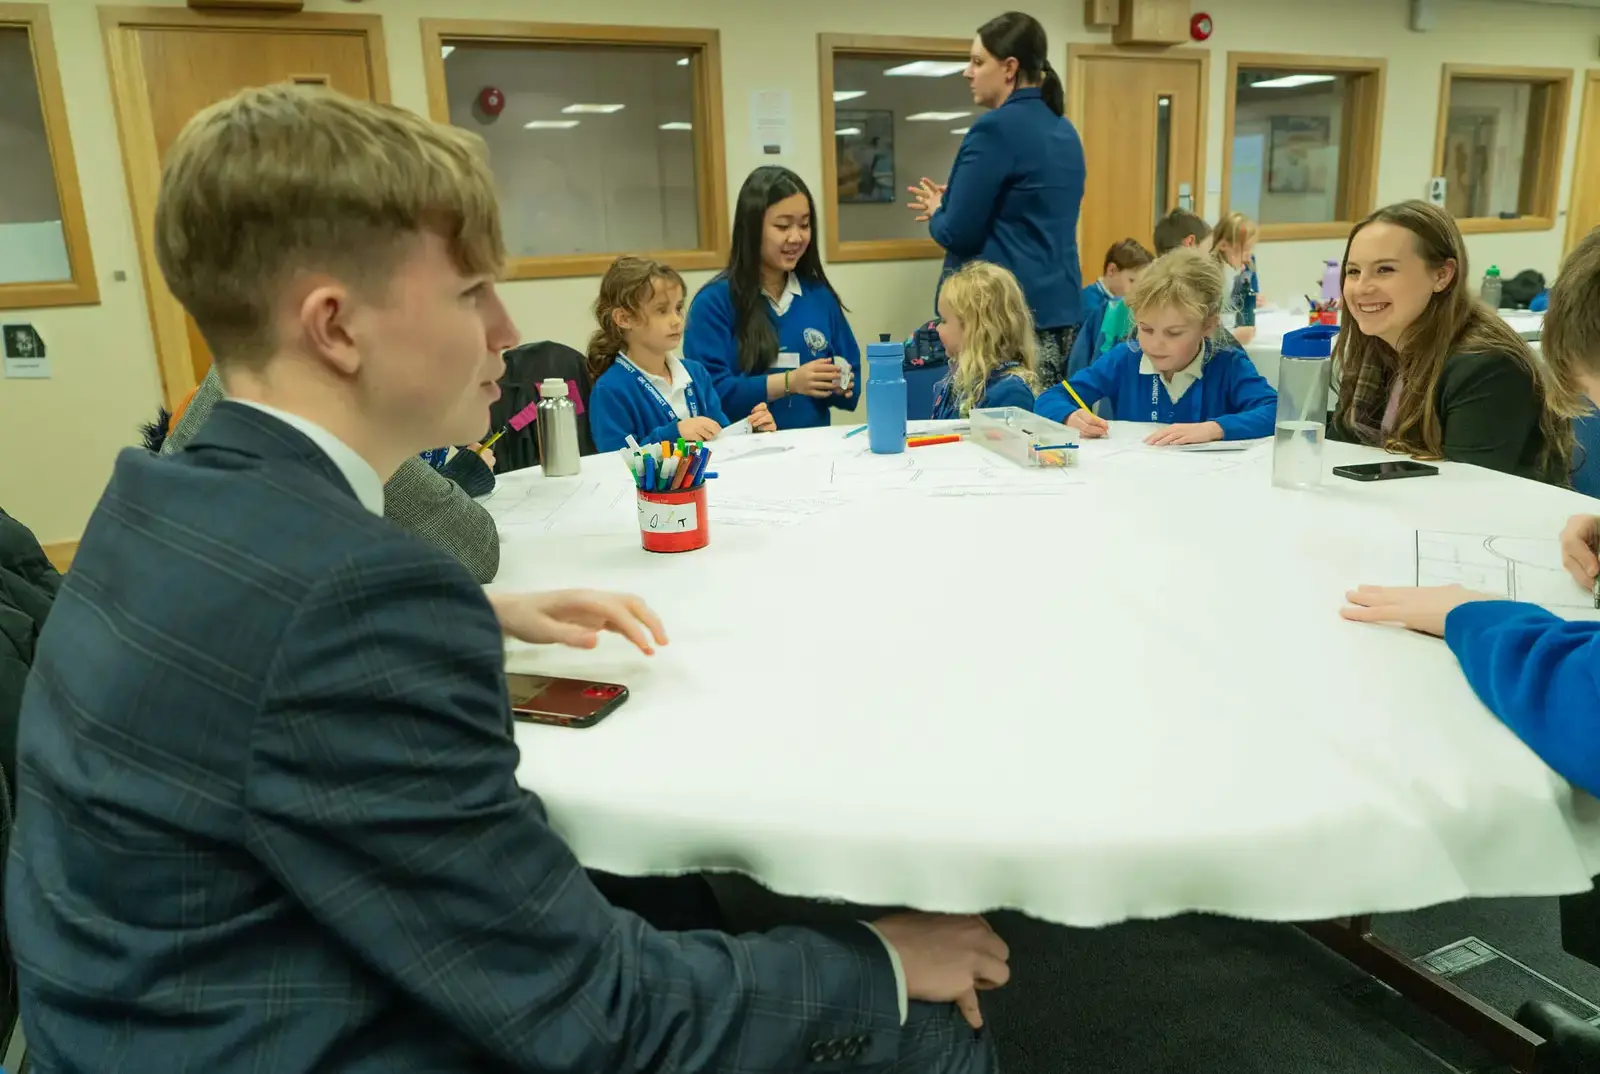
[(674, 521)]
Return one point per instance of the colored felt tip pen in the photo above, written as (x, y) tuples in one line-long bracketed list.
[(857, 429), (648, 481)]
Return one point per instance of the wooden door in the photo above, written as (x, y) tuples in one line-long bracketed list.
[(1142, 120), (1583, 214), (168, 66)]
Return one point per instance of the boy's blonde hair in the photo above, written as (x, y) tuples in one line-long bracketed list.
[(285, 179), (997, 327), (627, 285), (1235, 229), (1570, 342), (1185, 280)]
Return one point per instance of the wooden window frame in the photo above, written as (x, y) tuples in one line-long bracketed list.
[(83, 289), (1580, 153), (1360, 136), (872, 46), (711, 180), (1540, 188)]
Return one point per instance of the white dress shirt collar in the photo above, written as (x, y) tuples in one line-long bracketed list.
[(357, 472), (1182, 380), (674, 387), (791, 291)]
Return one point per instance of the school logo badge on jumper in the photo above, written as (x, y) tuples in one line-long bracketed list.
[(816, 341)]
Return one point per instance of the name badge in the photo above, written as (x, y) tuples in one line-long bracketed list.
[(787, 360)]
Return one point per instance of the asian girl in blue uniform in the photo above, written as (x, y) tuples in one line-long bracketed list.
[(1176, 370), (987, 331), (641, 389), (769, 328)]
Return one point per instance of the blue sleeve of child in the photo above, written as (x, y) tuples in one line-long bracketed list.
[(1082, 354), (1252, 403), (1092, 384), (846, 347), (1536, 671), (708, 339), (982, 165), (1009, 391), (706, 392)]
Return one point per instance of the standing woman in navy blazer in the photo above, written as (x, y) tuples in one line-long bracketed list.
[(1017, 183)]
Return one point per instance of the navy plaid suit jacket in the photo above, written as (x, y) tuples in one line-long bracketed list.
[(269, 822)]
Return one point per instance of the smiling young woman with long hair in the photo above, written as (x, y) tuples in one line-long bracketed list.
[(1426, 369), (770, 325)]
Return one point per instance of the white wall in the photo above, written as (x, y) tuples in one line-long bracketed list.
[(106, 381)]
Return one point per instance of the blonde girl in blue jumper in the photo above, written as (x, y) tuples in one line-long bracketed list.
[(987, 331), (1180, 368)]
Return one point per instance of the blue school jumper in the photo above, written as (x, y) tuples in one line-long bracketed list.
[(624, 403), (1537, 672), (1230, 393), (1091, 303), (1013, 199), (813, 327), (1003, 388)]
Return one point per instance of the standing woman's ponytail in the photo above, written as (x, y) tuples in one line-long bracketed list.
[(1018, 36), (1052, 92)]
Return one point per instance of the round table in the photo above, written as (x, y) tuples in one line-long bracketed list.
[(1122, 690)]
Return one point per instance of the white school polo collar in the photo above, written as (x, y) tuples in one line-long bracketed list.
[(791, 291), (1182, 380)]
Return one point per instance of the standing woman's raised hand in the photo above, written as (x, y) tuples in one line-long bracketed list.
[(926, 197)]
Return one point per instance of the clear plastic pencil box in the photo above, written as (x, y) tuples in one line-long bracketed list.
[(1024, 438)]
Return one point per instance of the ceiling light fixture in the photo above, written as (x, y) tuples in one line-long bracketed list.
[(550, 125), (592, 109), (928, 68), (676, 125), (936, 117), (848, 94), (847, 132), (1291, 81)]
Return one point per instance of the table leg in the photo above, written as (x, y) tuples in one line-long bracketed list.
[(1509, 1041)]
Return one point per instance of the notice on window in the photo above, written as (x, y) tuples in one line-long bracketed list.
[(771, 123)]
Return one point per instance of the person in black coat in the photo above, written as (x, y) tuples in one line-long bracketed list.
[(28, 584)]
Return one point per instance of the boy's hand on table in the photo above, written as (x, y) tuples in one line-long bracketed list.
[(1421, 609), (575, 617)]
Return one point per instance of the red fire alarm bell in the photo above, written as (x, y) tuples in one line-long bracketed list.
[(1200, 26), (492, 101)]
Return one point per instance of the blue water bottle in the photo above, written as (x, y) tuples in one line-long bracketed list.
[(886, 396)]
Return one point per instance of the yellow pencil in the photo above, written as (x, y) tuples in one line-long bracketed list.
[(489, 443), (1075, 398)]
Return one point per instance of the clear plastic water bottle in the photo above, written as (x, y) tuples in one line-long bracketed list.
[(558, 429), (886, 396), (1490, 292), (1302, 406)]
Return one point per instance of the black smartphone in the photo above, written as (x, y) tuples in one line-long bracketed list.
[(563, 702), (1385, 471)]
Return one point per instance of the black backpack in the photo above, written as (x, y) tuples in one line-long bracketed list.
[(1521, 289)]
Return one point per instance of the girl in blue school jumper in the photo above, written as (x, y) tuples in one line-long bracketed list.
[(770, 329), (987, 331), (641, 389), (1174, 371)]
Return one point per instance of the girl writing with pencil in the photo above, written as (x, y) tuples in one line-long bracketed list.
[(770, 328), (987, 331), (1179, 369), (641, 389)]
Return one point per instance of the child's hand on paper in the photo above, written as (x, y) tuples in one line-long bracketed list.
[(698, 429), (1578, 549), (1199, 432), (1089, 423), (761, 420)]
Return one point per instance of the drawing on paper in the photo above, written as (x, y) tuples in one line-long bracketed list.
[(571, 507), (1514, 568)]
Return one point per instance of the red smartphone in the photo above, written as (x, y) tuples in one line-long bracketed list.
[(563, 702)]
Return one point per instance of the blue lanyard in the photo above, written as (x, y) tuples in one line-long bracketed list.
[(689, 398)]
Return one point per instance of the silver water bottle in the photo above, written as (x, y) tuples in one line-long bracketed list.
[(558, 429)]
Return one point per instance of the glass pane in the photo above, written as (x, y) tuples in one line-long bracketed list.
[(593, 149), (33, 245), (1163, 155), (1485, 138), (1287, 129), (896, 120)]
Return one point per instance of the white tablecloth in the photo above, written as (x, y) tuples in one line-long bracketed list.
[(1266, 348), (1119, 691)]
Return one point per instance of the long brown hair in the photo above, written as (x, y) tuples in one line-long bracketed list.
[(627, 285), (1570, 344), (1454, 322)]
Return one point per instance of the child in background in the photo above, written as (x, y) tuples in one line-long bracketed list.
[(1102, 302), (987, 331), (641, 389), (1177, 371), (1178, 229), (1233, 244)]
